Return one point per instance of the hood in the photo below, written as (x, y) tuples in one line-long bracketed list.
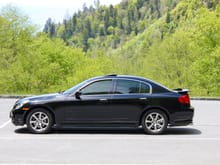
[(46, 97)]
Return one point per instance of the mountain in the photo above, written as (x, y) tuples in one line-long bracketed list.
[(173, 42), (176, 43), (109, 26)]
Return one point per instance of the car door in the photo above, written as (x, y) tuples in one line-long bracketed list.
[(129, 99), (92, 105)]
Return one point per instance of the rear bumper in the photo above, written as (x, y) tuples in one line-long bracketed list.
[(182, 118)]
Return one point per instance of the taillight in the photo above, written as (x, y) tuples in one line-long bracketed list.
[(184, 99)]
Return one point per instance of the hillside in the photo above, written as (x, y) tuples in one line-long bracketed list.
[(108, 26), (163, 40), (174, 42)]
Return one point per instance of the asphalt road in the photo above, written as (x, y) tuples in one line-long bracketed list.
[(195, 144)]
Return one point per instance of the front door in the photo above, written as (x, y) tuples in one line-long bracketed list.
[(93, 105)]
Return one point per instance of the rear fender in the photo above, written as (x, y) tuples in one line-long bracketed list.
[(154, 107)]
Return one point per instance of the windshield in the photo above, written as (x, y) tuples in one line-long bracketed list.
[(73, 89)]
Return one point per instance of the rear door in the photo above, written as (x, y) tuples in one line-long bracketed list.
[(129, 99)]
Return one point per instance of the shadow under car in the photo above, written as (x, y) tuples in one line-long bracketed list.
[(131, 131)]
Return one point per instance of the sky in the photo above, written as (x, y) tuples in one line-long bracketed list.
[(40, 10)]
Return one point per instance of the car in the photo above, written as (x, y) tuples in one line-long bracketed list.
[(109, 101)]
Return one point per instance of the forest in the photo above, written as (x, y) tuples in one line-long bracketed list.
[(174, 42)]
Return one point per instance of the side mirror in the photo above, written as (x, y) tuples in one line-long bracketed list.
[(77, 95)]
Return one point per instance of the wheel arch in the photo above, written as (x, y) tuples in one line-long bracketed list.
[(40, 107), (156, 108)]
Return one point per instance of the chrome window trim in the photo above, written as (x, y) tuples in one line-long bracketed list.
[(114, 80)]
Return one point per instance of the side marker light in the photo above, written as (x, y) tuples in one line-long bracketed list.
[(25, 109)]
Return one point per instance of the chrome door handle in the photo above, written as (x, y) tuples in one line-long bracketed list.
[(103, 100)]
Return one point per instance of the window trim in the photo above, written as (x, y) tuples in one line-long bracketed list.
[(114, 80)]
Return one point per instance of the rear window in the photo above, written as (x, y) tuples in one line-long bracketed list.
[(158, 89)]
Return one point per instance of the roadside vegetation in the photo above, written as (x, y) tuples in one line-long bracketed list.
[(174, 42)]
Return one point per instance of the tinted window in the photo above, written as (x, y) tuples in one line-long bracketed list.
[(99, 87), (73, 89), (127, 86), (144, 88), (158, 89)]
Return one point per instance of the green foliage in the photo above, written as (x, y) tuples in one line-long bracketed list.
[(130, 17), (176, 44), (206, 68), (181, 52)]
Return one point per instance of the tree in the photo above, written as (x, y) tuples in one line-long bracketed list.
[(50, 28)]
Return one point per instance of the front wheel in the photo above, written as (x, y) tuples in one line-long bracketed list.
[(39, 121), (154, 122)]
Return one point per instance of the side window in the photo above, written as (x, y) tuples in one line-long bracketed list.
[(144, 88), (127, 86), (97, 88)]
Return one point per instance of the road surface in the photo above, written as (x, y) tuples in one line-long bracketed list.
[(194, 144)]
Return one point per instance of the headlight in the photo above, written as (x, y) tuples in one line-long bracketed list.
[(20, 104)]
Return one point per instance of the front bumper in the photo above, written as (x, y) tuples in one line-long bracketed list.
[(182, 118), (18, 117)]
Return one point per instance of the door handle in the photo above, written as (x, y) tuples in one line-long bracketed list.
[(143, 98), (103, 99)]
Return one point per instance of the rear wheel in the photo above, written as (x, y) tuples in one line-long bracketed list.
[(154, 122), (39, 121)]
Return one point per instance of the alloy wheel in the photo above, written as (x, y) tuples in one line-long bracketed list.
[(39, 121), (154, 122)]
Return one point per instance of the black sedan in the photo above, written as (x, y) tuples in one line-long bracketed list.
[(107, 101)]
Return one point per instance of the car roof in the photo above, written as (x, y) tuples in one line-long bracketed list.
[(127, 77), (139, 78), (116, 76)]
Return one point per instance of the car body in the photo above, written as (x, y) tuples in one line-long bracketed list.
[(107, 101)]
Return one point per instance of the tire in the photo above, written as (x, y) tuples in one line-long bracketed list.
[(154, 122), (39, 121)]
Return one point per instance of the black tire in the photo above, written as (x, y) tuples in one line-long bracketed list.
[(154, 122), (39, 121)]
